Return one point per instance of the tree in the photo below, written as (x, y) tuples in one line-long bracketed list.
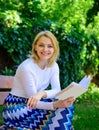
[(69, 20)]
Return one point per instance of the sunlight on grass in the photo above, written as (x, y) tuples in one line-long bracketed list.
[(86, 116)]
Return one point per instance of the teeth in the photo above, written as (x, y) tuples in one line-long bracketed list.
[(45, 54)]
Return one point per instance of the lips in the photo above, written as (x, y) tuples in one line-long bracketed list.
[(45, 54)]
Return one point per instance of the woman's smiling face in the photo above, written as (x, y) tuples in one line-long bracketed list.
[(44, 48)]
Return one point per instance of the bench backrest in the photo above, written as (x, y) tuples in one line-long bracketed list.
[(5, 86)]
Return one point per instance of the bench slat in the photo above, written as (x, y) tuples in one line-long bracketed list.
[(3, 96), (6, 83)]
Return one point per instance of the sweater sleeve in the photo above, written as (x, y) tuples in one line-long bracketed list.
[(45, 105), (55, 83)]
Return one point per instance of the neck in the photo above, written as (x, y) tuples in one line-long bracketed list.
[(42, 64)]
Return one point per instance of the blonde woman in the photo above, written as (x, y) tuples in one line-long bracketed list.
[(30, 105)]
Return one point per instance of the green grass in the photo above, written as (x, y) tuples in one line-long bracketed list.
[(1, 120), (86, 116)]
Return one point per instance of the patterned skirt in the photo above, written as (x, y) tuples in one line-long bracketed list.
[(16, 114)]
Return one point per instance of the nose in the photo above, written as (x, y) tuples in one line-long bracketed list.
[(45, 48)]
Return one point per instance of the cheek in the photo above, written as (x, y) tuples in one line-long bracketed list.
[(53, 51), (35, 47)]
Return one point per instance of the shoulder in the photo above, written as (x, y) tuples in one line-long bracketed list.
[(26, 64), (55, 66), (28, 61)]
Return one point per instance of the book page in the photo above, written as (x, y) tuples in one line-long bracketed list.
[(75, 89), (72, 90), (85, 82)]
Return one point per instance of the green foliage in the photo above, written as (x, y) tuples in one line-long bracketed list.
[(70, 51), (92, 95), (75, 23), (92, 12), (7, 71), (21, 20), (17, 28), (92, 46)]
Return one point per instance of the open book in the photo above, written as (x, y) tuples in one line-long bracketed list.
[(74, 89)]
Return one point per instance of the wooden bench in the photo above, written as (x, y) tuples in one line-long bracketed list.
[(5, 86), (6, 83)]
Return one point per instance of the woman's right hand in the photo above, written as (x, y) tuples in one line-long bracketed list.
[(33, 100), (64, 103)]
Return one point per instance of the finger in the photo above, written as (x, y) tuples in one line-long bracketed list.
[(29, 101), (70, 99), (69, 103), (33, 104)]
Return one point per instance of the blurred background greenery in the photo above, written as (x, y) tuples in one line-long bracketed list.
[(75, 23)]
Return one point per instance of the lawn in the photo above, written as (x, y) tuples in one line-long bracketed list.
[(1, 120), (86, 116)]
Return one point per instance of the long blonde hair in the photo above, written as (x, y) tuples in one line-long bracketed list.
[(54, 42)]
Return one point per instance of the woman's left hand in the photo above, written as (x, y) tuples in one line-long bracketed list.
[(64, 103)]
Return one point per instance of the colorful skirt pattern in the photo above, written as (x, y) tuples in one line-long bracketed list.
[(16, 114)]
